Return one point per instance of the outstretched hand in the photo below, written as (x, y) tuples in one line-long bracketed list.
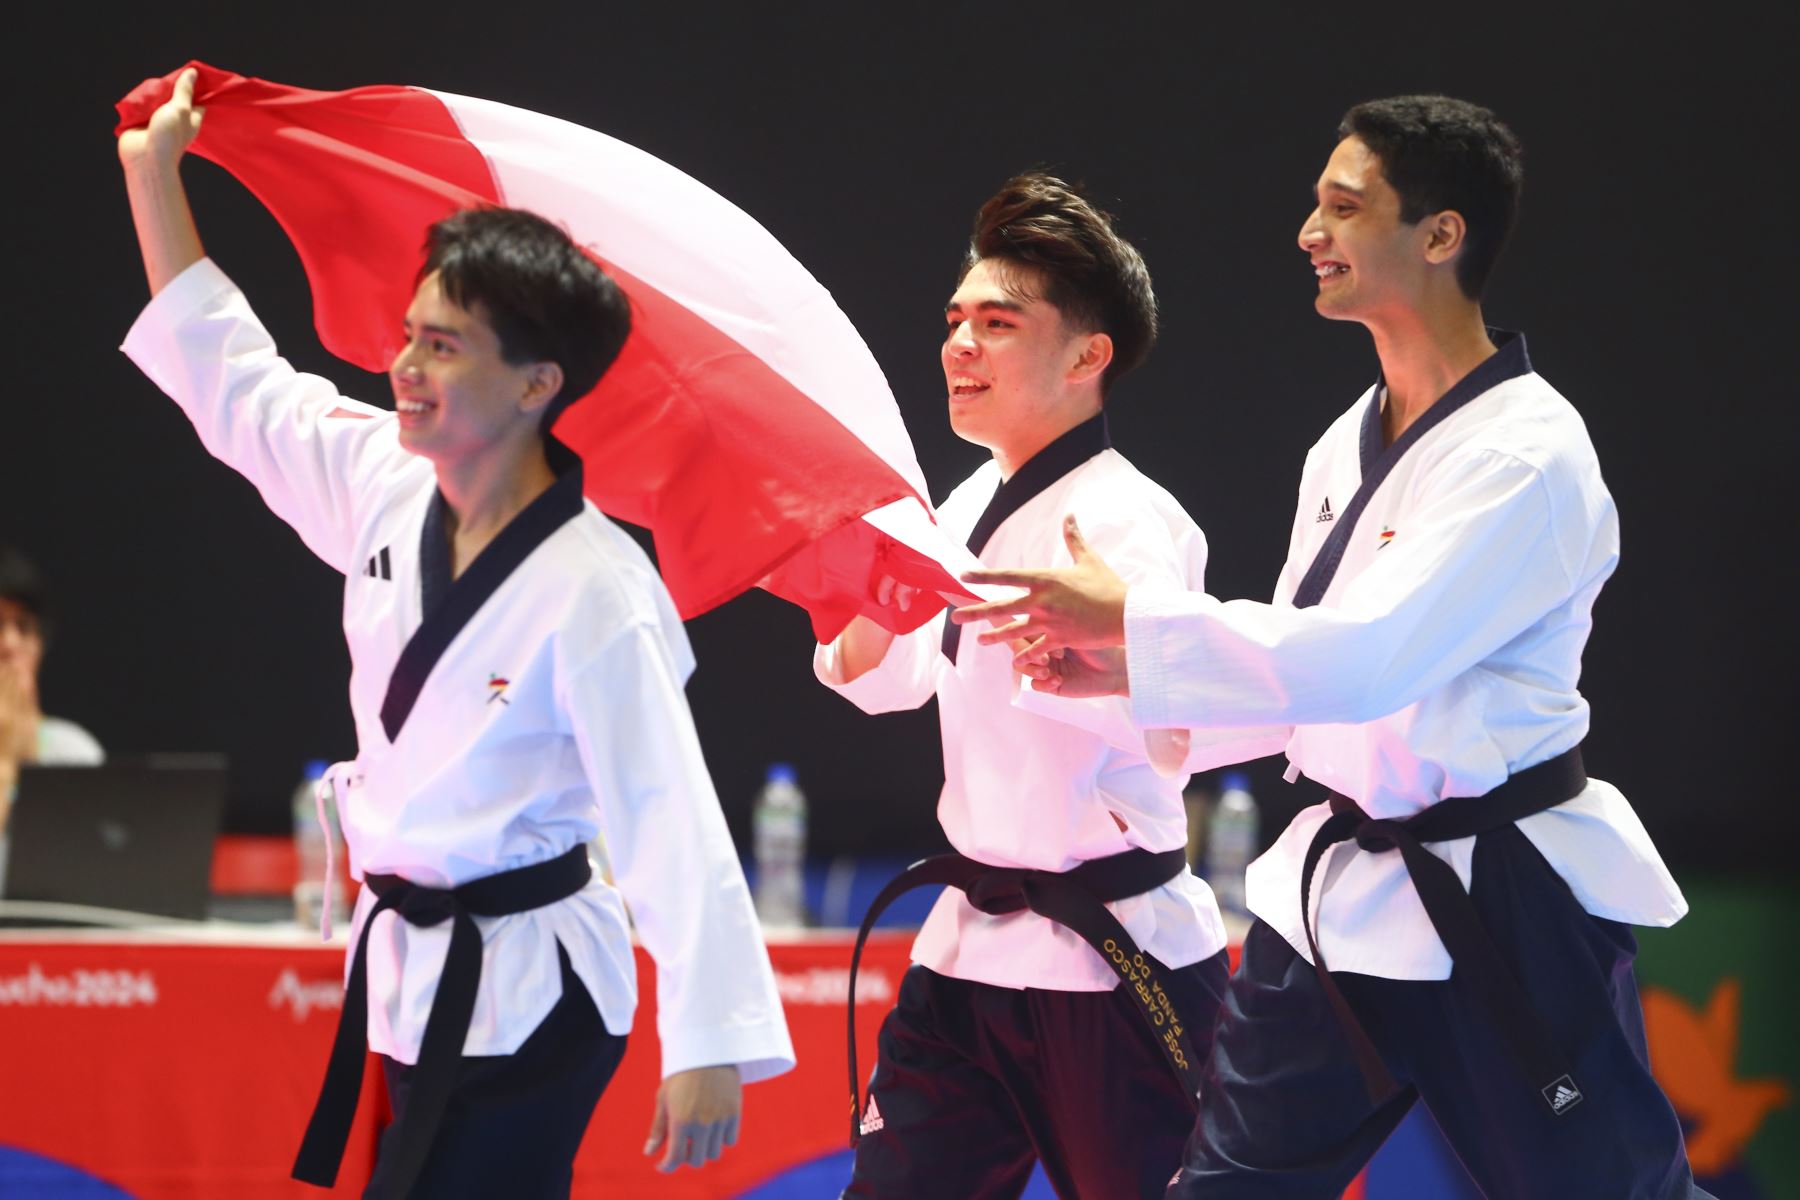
[(696, 1116), (1081, 606), (170, 131)]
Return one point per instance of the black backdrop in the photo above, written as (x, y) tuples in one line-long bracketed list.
[(1647, 270)]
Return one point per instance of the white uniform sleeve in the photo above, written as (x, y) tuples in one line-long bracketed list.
[(672, 858), (905, 678), (1444, 595), (308, 450)]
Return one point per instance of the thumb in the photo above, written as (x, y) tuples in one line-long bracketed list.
[(1078, 547), (659, 1125)]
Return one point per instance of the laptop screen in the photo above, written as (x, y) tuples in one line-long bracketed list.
[(135, 835)]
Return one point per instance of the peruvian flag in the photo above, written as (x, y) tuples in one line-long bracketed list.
[(745, 423)]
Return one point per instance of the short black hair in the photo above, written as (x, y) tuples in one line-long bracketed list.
[(1095, 278), (547, 300), (23, 584), (1440, 153)]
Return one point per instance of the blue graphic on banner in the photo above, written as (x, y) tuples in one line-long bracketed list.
[(28, 1176), (1417, 1161), (827, 1176)]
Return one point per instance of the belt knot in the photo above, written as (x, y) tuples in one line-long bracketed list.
[(425, 906), (999, 891), (1378, 835)]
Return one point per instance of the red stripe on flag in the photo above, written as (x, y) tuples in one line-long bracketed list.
[(830, 578)]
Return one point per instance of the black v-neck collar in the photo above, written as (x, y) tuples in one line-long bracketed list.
[(1508, 361), (1040, 471), (447, 604)]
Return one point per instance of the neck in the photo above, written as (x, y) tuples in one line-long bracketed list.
[(483, 493), (1423, 355), (1023, 448)]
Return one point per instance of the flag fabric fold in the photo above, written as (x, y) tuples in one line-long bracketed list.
[(745, 422)]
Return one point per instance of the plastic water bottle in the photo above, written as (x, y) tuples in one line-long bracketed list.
[(309, 854), (1196, 800), (779, 821), (1231, 841)]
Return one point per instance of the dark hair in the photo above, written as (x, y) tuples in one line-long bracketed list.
[(546, 299), (1439, 154), (23, 584), (1094, 277)]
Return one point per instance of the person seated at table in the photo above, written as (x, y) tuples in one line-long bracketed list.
[(27, 736)]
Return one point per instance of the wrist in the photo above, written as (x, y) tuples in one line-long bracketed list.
[(1115, 613), (150, 162), (860, 648)]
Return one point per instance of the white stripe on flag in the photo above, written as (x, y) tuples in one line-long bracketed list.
[(700, 250)]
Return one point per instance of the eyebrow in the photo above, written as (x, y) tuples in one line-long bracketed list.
[(442, 330), (1332, 185), (1012, 306)]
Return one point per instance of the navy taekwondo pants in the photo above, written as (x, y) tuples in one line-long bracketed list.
[(1285, 1114), (515, 1120), (975, 1083)]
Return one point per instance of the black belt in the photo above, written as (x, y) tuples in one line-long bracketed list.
[(1453, 915), (1076, 899), (440, 1051)]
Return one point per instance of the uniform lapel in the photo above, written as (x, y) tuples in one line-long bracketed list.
[(448, 605), (1043, 469), (1507, 362)]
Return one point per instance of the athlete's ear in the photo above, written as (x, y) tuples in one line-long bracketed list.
[(542, 382), (1094, 353), (1445, 234)]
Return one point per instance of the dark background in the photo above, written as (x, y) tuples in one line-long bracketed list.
[(1652, 270)]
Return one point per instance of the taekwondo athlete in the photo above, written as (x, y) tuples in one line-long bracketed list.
[(1452, 534), (517, 672), (1012, 1039)]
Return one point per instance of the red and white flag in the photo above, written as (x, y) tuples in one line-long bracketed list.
[(745, 422)]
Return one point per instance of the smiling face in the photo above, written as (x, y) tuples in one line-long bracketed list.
[(456, 396), (1369, 262), (1017, 377)]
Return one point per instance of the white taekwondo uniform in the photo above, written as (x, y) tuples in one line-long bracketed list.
[(548, 711), (1443, 658), (1042, 782)]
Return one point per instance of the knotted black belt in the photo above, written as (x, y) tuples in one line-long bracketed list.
[(1453, 915), (1077, 899), (440, 1051)]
